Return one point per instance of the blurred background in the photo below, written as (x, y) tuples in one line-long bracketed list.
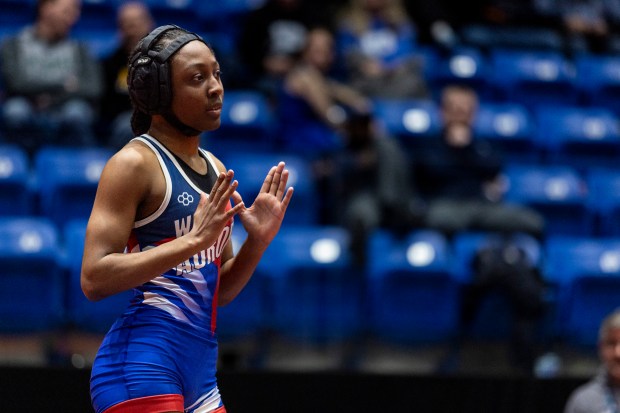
[(454, 239)]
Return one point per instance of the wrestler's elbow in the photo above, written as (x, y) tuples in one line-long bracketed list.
[(91, 289)]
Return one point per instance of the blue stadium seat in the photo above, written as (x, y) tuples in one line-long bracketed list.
[(226, 16), (587, 272), (101, 42), (32, 284), (67, 181), (533, 77), (465, 65), (604, 200), (84, 315), (247, 123), (315, 294), (559, 193), (413, 297), (510, 128), (578, 136), (251, 170), (489, 37), (99, 15), (15, 191), (410, 121), (598, 80), (180, 12), (16, 14)]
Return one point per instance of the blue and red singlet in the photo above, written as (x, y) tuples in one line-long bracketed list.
[(163, 348)]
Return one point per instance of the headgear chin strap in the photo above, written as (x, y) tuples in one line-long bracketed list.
[(149, 78)]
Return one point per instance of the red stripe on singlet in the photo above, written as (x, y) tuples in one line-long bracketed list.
[(150, 404)]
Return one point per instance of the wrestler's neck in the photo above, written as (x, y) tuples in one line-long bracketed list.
[(182, 145)]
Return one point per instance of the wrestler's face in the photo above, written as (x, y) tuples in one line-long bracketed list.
[(609, 350), (197, 87)]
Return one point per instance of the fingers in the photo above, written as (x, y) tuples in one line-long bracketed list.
[(276, 180), (287, 199), (223, 188), (238, 204)]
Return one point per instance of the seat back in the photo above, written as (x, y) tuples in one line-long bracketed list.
[(510, 128), (15, 191), (598, 80), (412, 296), (533, 77), (247, 123), (464, 65), (410, 121), (557, 192), (587, 272), (67, 181), (604, 200), (32, 295), (580, 137), (316, 295)]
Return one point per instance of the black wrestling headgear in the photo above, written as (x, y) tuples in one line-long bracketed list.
[(149, 77)]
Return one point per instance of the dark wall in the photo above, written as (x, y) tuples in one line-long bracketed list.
[(27, 390)]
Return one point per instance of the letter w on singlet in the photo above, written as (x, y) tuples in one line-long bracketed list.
[(183, 226)]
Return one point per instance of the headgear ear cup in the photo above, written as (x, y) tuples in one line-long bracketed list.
[(149, 71)]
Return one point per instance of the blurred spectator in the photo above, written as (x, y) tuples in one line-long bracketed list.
[(460, 176), (377, 41), (134, 21), (52, 82), (602, 392), (272, 38), (313, 108), (371, 185), (587, 24), (312, 105)]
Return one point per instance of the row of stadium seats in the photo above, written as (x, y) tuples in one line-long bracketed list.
[(553, 134), (60, 184), (305, 287), (99, 16)]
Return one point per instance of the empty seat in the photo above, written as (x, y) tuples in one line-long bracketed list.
[(410, 121), (488, 37), (413, 297), (598, 80), (587, 272), (465, 65), (533, 78), (315, 294), (180, 12), (247, 123), (580, 137), (559, 193), (33, 287), (15, 191), (67, 181), (604, 200), (85, 315), (510, 128)]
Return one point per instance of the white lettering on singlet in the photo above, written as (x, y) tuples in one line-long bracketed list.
[(204, 257)]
